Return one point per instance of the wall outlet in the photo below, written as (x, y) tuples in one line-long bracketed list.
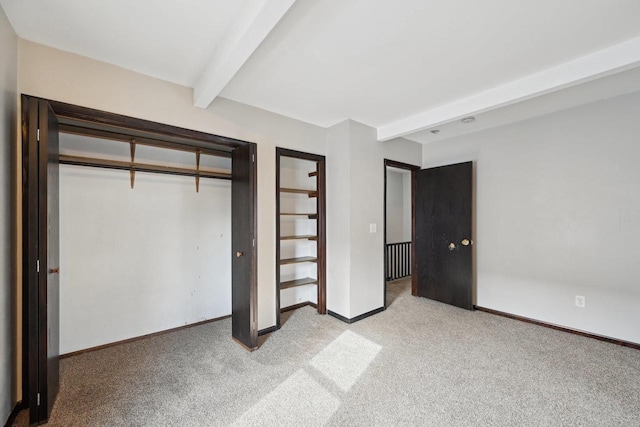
[(580, 301), (373, 228)]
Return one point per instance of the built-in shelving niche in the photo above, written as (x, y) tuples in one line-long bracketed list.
[(300, 231)]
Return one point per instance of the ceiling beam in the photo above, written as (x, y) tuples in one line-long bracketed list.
[(255, 22), (618, 58)]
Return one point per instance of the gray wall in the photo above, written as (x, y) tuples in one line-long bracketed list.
[(8, 113), (557, 212)]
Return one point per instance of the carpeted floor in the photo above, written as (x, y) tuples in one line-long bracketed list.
[(418, 363)]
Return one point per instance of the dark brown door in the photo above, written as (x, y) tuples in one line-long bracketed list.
[(41, 262), (243, 241), (443, 234)]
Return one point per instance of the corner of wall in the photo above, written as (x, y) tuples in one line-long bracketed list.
[(9, 181)]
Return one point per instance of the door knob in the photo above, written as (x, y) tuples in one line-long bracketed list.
[(452, 246), (239, 254), (465, 242)]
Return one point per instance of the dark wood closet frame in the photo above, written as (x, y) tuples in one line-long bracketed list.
[(321, 226), (412, 169), (95, 123)]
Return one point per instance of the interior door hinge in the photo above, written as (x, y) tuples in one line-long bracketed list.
[(253, 158), (38, 135), (254, 243), (38, 266), (38, 399)]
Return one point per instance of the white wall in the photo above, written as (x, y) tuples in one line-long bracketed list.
[(557, 215), (142, 260), (355, 180), (8, 114), (338, 166), (398, 224), (62, 76), (394, 226), (406, 207), (357, 193)]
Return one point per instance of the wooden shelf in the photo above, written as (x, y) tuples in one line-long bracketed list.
[(139, 167), (310, 215), (298, 260), (298, 282), (306, 237), (310, 193)]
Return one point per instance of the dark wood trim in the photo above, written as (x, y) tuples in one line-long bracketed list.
[(299, 154), (623, 343), (320, 216), (254, 252), (297, 306), (266, 331), (413, 169), (141, 337), (278, 238), (14, 413), (414, 258), (243, 345), (30, 252), (88, 117), (321, 228), (357, 318), (400, 165)]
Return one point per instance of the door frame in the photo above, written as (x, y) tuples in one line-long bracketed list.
[(412, 169), (321, 226), (92, 122)]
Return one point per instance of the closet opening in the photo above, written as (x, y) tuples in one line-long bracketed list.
[(300, 232), (158, 230)]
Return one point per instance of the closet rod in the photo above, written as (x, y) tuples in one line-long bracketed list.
[(139, 167), (123, 137)]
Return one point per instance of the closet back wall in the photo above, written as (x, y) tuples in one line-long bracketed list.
[(143, 260)]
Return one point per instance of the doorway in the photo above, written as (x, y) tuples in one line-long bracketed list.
[(42, 121), (399, 228)]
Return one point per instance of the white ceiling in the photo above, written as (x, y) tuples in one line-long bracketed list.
[(401, 66), (170, 40)]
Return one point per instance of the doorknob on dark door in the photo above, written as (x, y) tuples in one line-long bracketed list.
[(239, 254)]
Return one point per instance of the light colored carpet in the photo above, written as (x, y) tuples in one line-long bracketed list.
[(418, 363)]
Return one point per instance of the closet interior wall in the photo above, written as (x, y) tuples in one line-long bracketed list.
[(144, 259)]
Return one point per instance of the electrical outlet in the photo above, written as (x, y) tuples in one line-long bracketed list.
[(580, 301)]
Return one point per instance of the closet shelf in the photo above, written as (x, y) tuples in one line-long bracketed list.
[(139, 167), (310, 215), (310, 193), (298, 260), (298, 282), (305, 237)]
